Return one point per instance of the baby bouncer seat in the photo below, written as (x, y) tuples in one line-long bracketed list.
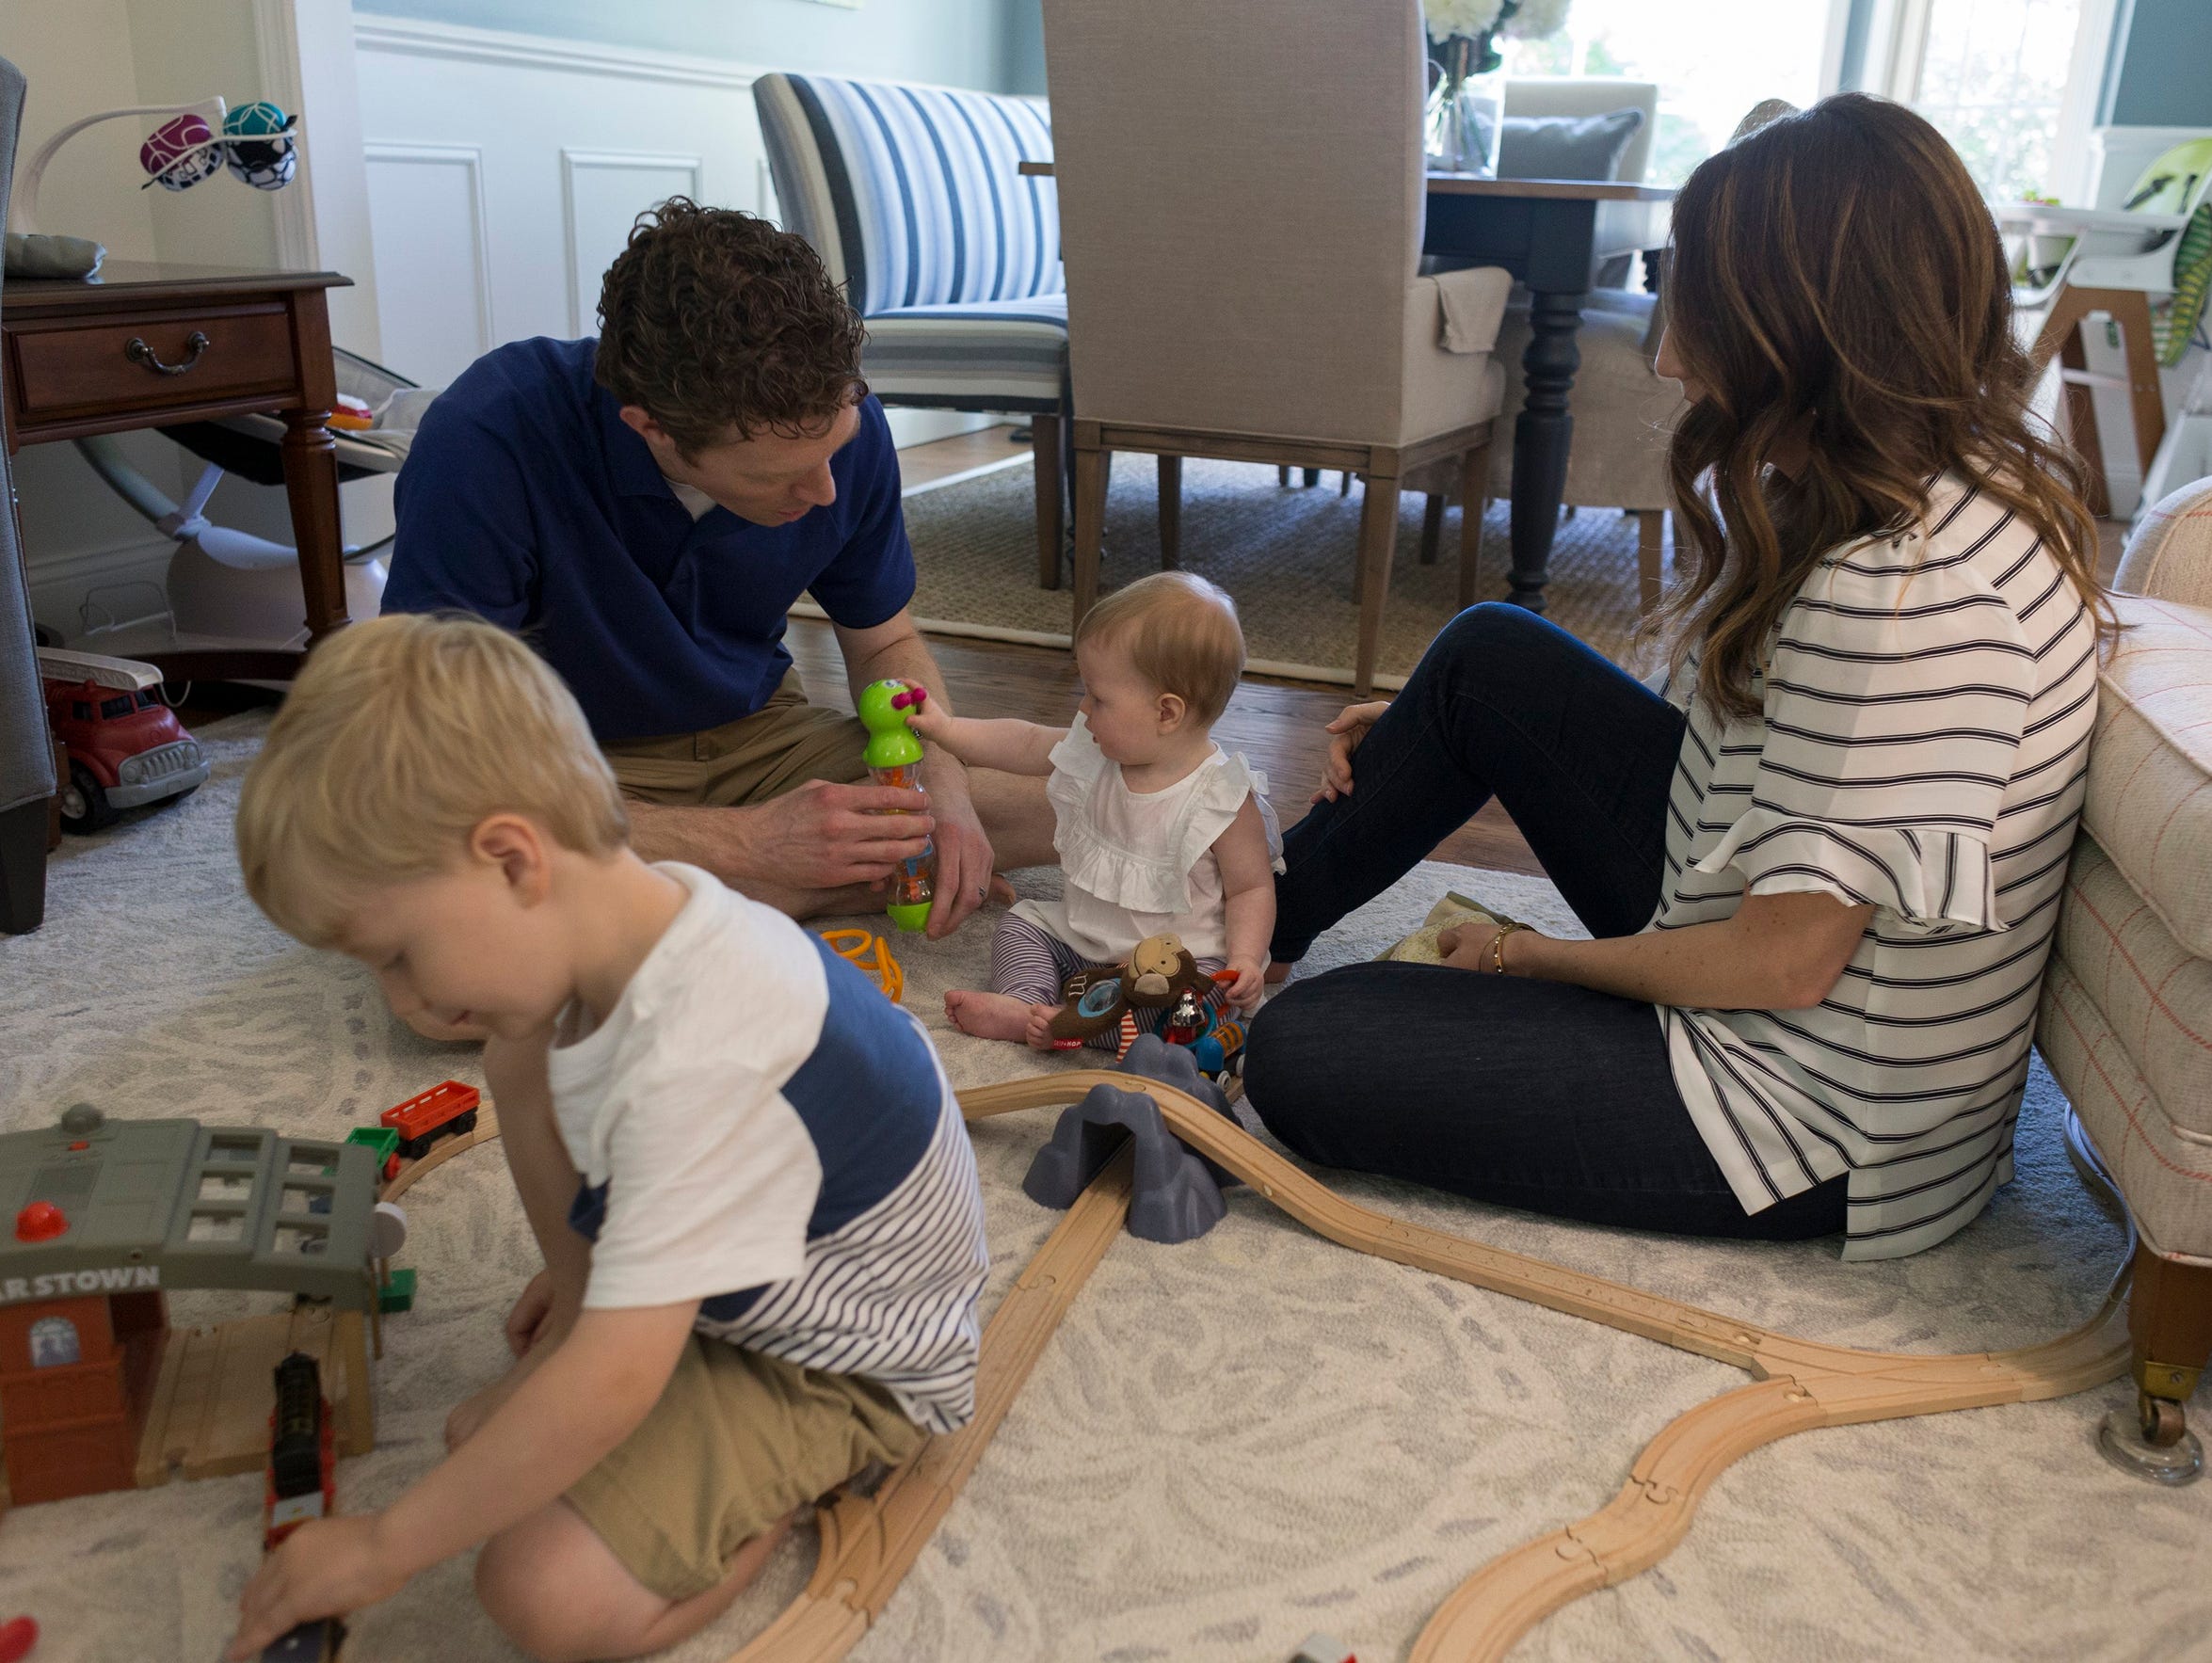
[(229, 588)]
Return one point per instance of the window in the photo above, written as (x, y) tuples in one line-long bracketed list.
[(81, 711), (1709, 72), (1994, 80), (116, 707), (2010, 83), (145, 702)]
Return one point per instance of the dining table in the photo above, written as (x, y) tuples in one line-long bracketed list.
[(1552, 235)]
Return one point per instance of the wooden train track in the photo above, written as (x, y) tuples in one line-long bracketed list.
[(1799, 1383), (868, 1543)]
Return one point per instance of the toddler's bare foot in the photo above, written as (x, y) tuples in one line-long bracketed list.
[(988, 1016)]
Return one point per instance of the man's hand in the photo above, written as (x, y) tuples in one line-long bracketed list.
[(326, 1568), (1349, 728), (826, 836), (963, 854)]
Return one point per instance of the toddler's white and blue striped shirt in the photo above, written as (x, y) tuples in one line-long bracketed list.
[(758, 1128)]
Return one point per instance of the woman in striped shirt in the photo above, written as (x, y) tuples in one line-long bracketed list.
[(1822, 871)]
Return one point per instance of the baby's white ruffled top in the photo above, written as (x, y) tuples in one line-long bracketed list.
[(1142, 863)]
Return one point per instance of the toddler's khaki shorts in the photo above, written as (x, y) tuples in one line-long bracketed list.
[(737, 1440)]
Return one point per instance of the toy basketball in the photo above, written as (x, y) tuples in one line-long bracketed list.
[(181, 153), (260, 148)]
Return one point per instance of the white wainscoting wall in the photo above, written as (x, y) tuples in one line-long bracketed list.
[(504, 172)]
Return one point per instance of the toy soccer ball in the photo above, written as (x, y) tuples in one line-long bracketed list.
[(260, 145), (179, 153)]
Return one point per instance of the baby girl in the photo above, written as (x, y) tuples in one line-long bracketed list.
[(1160, 831)]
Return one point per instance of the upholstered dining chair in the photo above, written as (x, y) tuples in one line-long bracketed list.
[(1242, 258), (913, 198)]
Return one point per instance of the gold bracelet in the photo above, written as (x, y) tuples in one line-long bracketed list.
[(1498, 946)]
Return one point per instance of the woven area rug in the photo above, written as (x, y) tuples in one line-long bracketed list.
[(1285, 553), (1229, 1444)]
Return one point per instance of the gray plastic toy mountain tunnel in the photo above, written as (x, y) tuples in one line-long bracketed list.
[(1176, 1194)]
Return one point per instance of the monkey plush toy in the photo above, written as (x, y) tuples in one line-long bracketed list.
[(1159, 969)]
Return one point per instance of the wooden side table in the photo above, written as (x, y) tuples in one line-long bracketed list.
[(146, 344)]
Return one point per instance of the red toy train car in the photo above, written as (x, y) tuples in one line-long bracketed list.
[(447, 1110)]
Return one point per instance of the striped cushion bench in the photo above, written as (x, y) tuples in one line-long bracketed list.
[(912, 195), (988, 354)]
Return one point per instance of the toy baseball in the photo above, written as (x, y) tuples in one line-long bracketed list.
[(180, 154), (258, 146), (894, 758)]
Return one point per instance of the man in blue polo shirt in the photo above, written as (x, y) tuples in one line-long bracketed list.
[(645, 508)]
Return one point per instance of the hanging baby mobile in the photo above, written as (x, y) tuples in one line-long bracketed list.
[(256, 144)]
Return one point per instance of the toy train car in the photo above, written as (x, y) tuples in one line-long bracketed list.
[(447, 1110), (303, 1459)]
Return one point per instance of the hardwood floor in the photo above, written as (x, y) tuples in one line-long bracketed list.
[(925, 464)]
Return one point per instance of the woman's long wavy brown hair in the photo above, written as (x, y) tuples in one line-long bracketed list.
[(1836, 276)]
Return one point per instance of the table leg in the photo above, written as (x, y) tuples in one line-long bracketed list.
[(311, 481), (1540, 436)]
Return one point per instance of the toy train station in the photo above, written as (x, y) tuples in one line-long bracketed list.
[(104, 1221)]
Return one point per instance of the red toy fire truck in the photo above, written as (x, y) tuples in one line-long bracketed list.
[(125, 747)]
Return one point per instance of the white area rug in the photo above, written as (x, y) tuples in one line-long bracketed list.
[(1229, 1444)]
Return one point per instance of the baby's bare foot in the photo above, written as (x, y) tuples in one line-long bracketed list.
[(989, 1015)]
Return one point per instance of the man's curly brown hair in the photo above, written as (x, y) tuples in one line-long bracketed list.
[(720, 326)]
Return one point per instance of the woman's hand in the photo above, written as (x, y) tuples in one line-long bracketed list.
[(1467, 947), (1349, 728)]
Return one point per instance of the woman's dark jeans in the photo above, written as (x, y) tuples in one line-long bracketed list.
[(1535, 1095)]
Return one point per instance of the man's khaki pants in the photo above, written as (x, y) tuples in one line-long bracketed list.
[(783, 744)]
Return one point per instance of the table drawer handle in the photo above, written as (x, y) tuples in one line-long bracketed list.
[(139, 352)]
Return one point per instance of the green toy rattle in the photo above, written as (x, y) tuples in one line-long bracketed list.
[(894, 758)]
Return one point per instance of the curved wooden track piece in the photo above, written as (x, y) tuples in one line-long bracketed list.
[(486, 1128), (1800, 1384)]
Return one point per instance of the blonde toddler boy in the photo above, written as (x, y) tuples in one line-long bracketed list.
[(748, 1178)]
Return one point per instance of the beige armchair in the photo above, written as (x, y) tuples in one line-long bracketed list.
[(2126, 1015), (1240, 205)]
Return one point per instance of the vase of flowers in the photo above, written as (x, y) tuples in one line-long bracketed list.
[(1465, 114)]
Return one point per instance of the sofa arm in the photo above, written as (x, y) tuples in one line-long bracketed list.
[(2169, 556)]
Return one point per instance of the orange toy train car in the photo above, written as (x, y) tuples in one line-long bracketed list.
[(447, 1110)]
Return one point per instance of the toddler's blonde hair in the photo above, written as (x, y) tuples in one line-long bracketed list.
[(1181, 634), (399, 739)]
